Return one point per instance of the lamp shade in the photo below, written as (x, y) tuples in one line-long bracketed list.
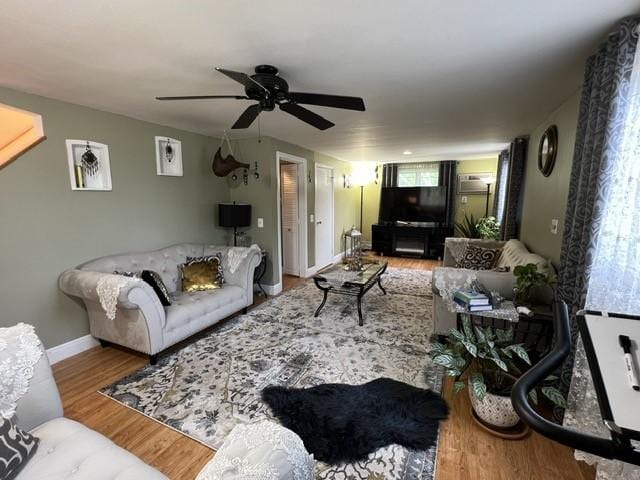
[(234, 214)]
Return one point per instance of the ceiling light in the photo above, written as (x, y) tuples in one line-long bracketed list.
[(407, 152)]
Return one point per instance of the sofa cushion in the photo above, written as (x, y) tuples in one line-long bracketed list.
[(189, 306), (70, 450), (479, 258), (16, 448), (515, 253)]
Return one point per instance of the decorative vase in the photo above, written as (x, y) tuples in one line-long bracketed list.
[(495, 410)]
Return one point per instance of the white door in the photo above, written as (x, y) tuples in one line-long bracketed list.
[(290, 218), (324, 216)]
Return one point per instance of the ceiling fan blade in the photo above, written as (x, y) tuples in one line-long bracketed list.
[(242, 78), (247, 117), (333, 101), (202, 97), (306, 115)]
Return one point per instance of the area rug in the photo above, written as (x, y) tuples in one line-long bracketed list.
[(211, 385)]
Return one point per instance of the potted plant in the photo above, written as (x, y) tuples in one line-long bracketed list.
[(470, 227), (488, 228), (533, 285), (488, 362)]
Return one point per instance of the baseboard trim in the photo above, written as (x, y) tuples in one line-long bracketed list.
[(311, 272), (69, 349), (338, 258), (273, 289)]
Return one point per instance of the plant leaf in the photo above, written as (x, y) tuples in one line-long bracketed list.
[(507, 352), (519, 350), (436, 348), (471, 348), (500, 363), (480, 335), (468, 330), (478, 385), (457, 386), (456, 335), (534, 396), (555, 396), (447, 361)]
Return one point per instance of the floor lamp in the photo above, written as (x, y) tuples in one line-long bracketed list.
[(488, 181)]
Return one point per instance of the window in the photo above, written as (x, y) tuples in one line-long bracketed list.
[(419, 174)]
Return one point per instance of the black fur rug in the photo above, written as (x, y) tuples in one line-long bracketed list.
[(345, 423)]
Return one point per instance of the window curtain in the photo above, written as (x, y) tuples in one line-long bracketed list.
[(502, 176), (599, 257), (516, 161), (448, 169), (390, 175)]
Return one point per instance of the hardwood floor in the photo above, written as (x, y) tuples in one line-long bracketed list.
[(465, 451)]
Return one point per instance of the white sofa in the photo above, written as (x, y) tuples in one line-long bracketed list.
[(514, 253), (141, 322), (68, 449)]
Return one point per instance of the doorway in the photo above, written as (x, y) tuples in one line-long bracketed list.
[(324, 215), (292, 213)]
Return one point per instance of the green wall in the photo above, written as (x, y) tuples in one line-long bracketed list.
[(545, 198), (47, 228), (475, 203), (262, 195)]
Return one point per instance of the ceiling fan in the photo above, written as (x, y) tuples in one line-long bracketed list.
[(269, 90)]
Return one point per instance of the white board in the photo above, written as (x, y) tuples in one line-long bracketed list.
[(623, 400)]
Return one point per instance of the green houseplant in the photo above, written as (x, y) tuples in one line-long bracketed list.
[(488, 228), (532, 283), (467, 228), (488, 362)]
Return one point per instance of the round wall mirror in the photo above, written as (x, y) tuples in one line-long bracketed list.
[(547, 150)]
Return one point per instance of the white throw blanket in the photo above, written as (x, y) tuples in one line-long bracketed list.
[(19, 353), (108, 290), (235, 256)]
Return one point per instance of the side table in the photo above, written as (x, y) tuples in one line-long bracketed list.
[(259, 272)]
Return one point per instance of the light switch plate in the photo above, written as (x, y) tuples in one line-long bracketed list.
[(554, 226), (261, 223), (311, 218), (464, 199)]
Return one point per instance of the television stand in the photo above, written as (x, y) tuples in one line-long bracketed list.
[(415, 239)]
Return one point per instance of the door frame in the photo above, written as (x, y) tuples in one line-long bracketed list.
[(332, 211), (302, 209)]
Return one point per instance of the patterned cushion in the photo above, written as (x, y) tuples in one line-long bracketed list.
[(478, 258), (211, 258), (201, 274), (155, 281), (16, 448)]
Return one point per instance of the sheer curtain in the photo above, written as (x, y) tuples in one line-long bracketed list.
[(614, 283)]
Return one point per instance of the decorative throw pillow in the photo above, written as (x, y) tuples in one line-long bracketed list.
[(155, 281), (502, 269), (211, 258), (479, 258), (201, 274), (16, 448)]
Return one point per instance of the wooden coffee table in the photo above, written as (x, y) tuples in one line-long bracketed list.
[(345, 282)]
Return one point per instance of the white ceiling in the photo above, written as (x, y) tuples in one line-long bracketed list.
[(444, 79)]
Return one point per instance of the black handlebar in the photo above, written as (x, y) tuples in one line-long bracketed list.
[(602, 447)]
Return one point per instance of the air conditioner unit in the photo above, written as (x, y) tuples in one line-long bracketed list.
[(472, 183)]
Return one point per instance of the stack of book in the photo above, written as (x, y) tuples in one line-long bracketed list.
[(472, 301)]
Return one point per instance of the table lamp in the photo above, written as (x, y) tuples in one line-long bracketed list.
[(234, 215)]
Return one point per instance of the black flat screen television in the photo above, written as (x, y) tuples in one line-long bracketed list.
[(413, 204)]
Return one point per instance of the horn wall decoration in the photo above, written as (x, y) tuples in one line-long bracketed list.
[(223, 166)]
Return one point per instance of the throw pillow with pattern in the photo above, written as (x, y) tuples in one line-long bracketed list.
[(479, 258), (211, 258), (201, 274), (155, 281), (16, 448)]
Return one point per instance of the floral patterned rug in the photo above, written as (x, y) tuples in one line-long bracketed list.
[(211, 385)]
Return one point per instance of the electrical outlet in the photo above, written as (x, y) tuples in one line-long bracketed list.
[(554, 226), (311, 218), (464, 199), (261, 223)]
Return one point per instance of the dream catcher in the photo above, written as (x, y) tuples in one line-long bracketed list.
[(89, 160)]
